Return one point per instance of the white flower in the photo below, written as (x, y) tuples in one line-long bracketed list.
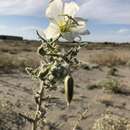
[(63, 21)]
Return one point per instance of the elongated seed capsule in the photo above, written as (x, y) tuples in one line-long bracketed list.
[(68, 86)]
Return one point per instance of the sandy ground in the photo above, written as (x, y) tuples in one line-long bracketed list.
[(17, 89)]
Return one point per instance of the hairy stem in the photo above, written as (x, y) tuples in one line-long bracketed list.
[(39, 105)]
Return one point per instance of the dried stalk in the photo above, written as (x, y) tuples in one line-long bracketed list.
[(81, 117)]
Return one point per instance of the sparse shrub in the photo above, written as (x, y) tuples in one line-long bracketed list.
[(111, 121), (110, 85)]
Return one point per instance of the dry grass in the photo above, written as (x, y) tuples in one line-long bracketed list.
[(9, 62), (111, 121), (111, 58), (18, 55), (109, 85)]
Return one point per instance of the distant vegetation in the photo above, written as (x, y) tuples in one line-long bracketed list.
[(7, 37), (16, 54)]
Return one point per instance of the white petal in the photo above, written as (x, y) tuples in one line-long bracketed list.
[(71, 9), (42, 34), (54, 9), (52, 31), (85, 32), (81, 27), (70, 36)]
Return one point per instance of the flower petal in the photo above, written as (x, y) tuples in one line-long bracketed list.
[(55, 8), (70, 36), (71, 9), (81, 27), (42, 34), (52, 31)]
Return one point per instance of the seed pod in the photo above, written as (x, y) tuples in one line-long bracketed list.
[(68, 85)]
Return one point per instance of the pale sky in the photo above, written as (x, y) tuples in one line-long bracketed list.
[(108, 20)]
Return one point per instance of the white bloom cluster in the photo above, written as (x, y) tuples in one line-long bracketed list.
[(63, 21)]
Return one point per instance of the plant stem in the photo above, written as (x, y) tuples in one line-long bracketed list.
[(39, 104)]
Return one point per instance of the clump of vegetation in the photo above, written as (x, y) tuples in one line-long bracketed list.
[(111, 121), (108, 85), (111, 85)]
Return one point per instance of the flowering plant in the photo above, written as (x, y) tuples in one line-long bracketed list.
[(56, 65), (63, 21)]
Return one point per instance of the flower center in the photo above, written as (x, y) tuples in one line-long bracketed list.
[(64, 26)]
